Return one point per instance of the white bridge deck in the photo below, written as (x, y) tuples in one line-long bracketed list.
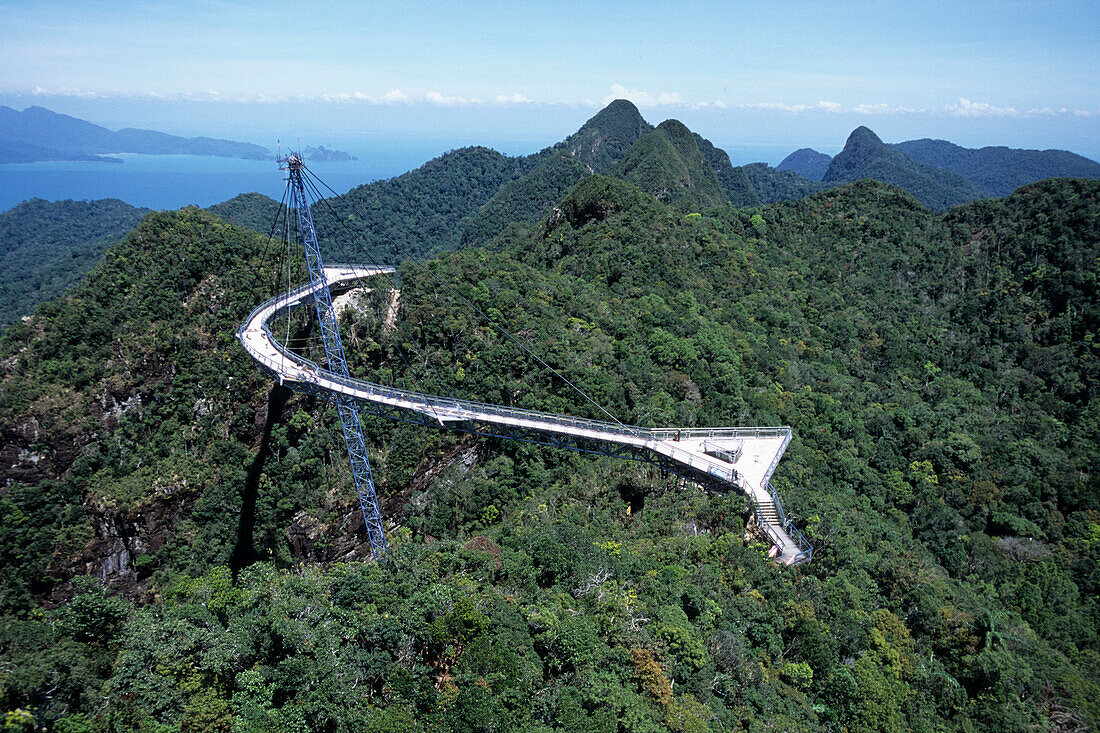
[(761, 448)]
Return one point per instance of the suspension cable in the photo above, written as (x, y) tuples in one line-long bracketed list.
[(391, 309), (481, 313)]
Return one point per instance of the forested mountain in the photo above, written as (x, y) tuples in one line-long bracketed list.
[(250, 211), (866, 156), (736, 185), (771, 185), (47, 134), (598, 144), (998, 171), (807, 163), (46, 247), (181, 549), (421, 212), (17, 151), (667, 164), (756, 183), (670, 162)]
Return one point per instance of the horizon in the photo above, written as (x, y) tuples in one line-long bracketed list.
[(777, 141), (976, 74)]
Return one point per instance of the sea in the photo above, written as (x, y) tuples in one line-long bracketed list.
[(173, 181)]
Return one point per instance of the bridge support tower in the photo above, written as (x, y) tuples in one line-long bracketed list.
[(337, 363)]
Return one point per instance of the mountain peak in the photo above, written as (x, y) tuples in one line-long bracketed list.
[(617, 112), (863, 141), (606, 137), (619, 121), (866, 156), (668, 164), (863, 148), (806, 162), (863, 134)]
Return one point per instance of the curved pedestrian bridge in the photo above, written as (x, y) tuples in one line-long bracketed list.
[(719, 459)]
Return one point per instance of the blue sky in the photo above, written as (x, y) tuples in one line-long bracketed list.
[(802, 73)]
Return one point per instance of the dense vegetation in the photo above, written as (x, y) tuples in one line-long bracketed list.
[(46, 247), (421, 212), (771, 185), (667, 164), (866, 156), (600, 143), (807, 163), (998, 171), (939, 370)]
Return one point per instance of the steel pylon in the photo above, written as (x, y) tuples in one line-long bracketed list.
[(337, 362)]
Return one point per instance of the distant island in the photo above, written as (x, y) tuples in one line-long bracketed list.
[(38, 134), (324, 155)]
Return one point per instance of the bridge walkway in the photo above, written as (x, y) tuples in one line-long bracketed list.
[(718, 458)]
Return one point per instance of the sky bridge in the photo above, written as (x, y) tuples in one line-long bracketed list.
[(718, 459)]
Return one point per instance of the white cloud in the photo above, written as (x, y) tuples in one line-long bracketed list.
[(827, 107), (796, 108), (446, 101), (394, 96), (967, 108), (883, 109), (641, 98), (69, 92), (512, 99), (648, 100)]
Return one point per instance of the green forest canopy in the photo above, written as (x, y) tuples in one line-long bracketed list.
[(939, 370)]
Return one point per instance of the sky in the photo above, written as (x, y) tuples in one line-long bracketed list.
[(519, 75)]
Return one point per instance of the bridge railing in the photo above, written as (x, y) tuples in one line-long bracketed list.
[(806, 550), (444, 408), (718, 433), (786, 432), (659, 440), (449, 405)]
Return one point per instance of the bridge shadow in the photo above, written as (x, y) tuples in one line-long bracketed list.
[(244, 552)]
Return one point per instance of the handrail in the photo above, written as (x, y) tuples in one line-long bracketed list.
[(778, 454), (499, 410), (659, 441), (432, 404), (731, 432), (788, 526)]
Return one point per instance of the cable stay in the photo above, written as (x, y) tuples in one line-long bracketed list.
[(336, 362), (718, 459)]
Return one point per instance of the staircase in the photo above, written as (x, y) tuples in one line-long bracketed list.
[(767, 512)]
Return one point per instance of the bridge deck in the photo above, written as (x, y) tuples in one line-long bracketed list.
[(760, 448)]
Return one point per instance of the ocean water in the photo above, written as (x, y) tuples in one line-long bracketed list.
[(172, 181), (169, 181)]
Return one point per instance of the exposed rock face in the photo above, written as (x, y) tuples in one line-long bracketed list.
[(481, 543), (606, 137), (125, 543), (312, 541)]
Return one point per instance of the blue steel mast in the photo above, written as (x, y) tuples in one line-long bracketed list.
[(337, 363)]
